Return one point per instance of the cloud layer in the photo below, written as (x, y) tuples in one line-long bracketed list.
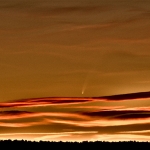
[(86, 119), (73, 100)]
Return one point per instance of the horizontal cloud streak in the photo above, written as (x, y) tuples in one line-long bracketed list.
[(43, 102), (22, 124), (102, 118), (7, 115), (120, 114), (90, 117), (73, 100), (129, 96)]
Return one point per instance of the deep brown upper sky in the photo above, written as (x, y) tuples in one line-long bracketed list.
[(70, 47)]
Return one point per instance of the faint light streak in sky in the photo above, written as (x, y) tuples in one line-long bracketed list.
[(85, 84)]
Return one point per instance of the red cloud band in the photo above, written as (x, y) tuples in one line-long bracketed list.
[(72, 100)]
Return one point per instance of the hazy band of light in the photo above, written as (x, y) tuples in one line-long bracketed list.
[(75, 132)]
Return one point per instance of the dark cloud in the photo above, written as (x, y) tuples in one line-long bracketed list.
[(14, 112), (129, 96), (71, 100), (119, 114), (42, 102)]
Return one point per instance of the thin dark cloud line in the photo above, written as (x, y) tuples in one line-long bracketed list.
[(120, 114), (129, 96), (116, 114), (45, 101)]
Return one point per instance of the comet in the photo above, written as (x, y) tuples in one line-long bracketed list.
[(85, 82)]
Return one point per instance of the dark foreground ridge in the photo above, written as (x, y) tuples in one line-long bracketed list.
[(98, 145)]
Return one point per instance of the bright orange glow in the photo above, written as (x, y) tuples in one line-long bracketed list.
[(75, 70)]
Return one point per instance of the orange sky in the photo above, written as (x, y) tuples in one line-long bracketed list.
[(77, 48), (111, 118)]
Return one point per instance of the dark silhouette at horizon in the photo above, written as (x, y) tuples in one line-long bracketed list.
[(24, 144)]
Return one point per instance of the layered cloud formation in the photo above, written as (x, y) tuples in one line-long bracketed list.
[(68, 118)]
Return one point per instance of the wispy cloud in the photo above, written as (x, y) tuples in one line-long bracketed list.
[(73, 100), (6, 115), (43, 102), (103, 118), (20, 124)]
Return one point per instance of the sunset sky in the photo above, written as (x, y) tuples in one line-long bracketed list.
[(60, 58)]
